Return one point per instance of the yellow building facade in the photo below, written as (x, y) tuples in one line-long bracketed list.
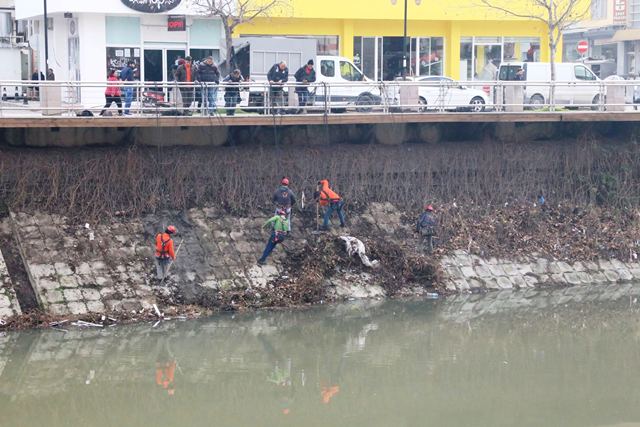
[(455, 38)]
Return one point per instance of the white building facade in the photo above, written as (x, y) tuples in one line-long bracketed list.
[(89, 37)]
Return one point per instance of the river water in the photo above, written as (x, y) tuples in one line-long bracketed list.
[(568, 357)]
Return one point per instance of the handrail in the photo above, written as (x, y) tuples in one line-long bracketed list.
[(34, 97)]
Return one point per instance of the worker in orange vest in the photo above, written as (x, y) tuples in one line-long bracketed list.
[(165, 376), (164, 251), (331, 201)]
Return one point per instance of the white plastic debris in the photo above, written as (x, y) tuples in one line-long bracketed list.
[(155, 308), (91, 376), (86, 225), (356, 247)]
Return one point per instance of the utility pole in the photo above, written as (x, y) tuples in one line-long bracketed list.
[(46, 40)]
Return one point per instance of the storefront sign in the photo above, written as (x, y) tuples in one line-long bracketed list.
[(177, 23), (620, 11), (151, 6)]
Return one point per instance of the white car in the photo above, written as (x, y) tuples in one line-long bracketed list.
[(444, 92)]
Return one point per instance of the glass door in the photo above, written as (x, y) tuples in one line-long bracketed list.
[(153, 68), (171, 61)]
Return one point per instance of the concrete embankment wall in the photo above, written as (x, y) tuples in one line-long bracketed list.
[(202, 133), (467, 272), (77, 268)]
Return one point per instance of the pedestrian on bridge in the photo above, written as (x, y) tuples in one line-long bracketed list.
[(164, 252), (331, 201), (284, 199), (304, 76), (278, 76), (209, 75), (112, 93), (232, 91), (185, 76), (426, 228), (278, 234), (127, 75)]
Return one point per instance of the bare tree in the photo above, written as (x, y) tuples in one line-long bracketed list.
[(557, 16), (237, 12)]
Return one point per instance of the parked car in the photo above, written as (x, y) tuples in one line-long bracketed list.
[(444, 92), (575, 84)]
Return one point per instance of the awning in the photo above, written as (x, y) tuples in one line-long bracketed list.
[(626, 35), (602, 42)]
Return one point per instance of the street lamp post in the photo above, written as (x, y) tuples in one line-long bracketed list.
[(404, 36)]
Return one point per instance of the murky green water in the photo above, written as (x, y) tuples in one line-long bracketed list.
[(537, 358)]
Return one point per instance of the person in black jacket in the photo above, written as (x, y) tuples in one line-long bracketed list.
[(304, 76), (278, 76), (232, 91), (284, 199), (209, 75)]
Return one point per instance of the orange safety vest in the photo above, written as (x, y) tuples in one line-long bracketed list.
[(165, 374), (327, 195), (164, 246)]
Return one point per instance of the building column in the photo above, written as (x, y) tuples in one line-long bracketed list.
[(452, 51), (621, 59), (346, 39)]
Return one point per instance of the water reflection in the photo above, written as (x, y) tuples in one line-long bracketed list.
[(567, 357)]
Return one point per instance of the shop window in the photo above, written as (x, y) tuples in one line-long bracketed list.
[(525, 49), (466, 59), (202, 54), (430, 57), (122, 30), (599, 9), (117, 57), (327, 68), (349, 72)]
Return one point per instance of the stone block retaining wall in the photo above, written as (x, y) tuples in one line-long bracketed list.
[(77, 269), (465, 272)]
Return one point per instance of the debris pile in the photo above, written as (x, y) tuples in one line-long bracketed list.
[(556, 232)]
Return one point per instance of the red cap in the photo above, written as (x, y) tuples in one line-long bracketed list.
[(285, 181), (171, 229)]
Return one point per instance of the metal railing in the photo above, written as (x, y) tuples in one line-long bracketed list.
[(46, 98)]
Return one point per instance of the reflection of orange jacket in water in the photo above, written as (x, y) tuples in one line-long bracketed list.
[(329, 392), (165, 373)]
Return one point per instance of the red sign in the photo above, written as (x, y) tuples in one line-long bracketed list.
[(583, 47), (177, 23), (620, 12)]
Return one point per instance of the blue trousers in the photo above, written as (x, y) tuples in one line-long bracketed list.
[(303, 98), (128, 97), (333, 207), (212, 98), (271, 245)]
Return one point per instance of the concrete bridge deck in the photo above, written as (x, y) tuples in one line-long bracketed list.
[(315, 119)]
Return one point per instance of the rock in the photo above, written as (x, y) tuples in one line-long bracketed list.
[(611, 275), (77, 308)]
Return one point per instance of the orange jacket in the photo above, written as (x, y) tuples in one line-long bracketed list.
[(167, 251), (165, 373), (326, 194)]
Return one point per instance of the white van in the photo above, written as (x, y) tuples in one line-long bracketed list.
[(349, 86), (576, 84)]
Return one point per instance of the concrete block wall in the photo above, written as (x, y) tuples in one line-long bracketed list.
[(8, 302), (466, 272)]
